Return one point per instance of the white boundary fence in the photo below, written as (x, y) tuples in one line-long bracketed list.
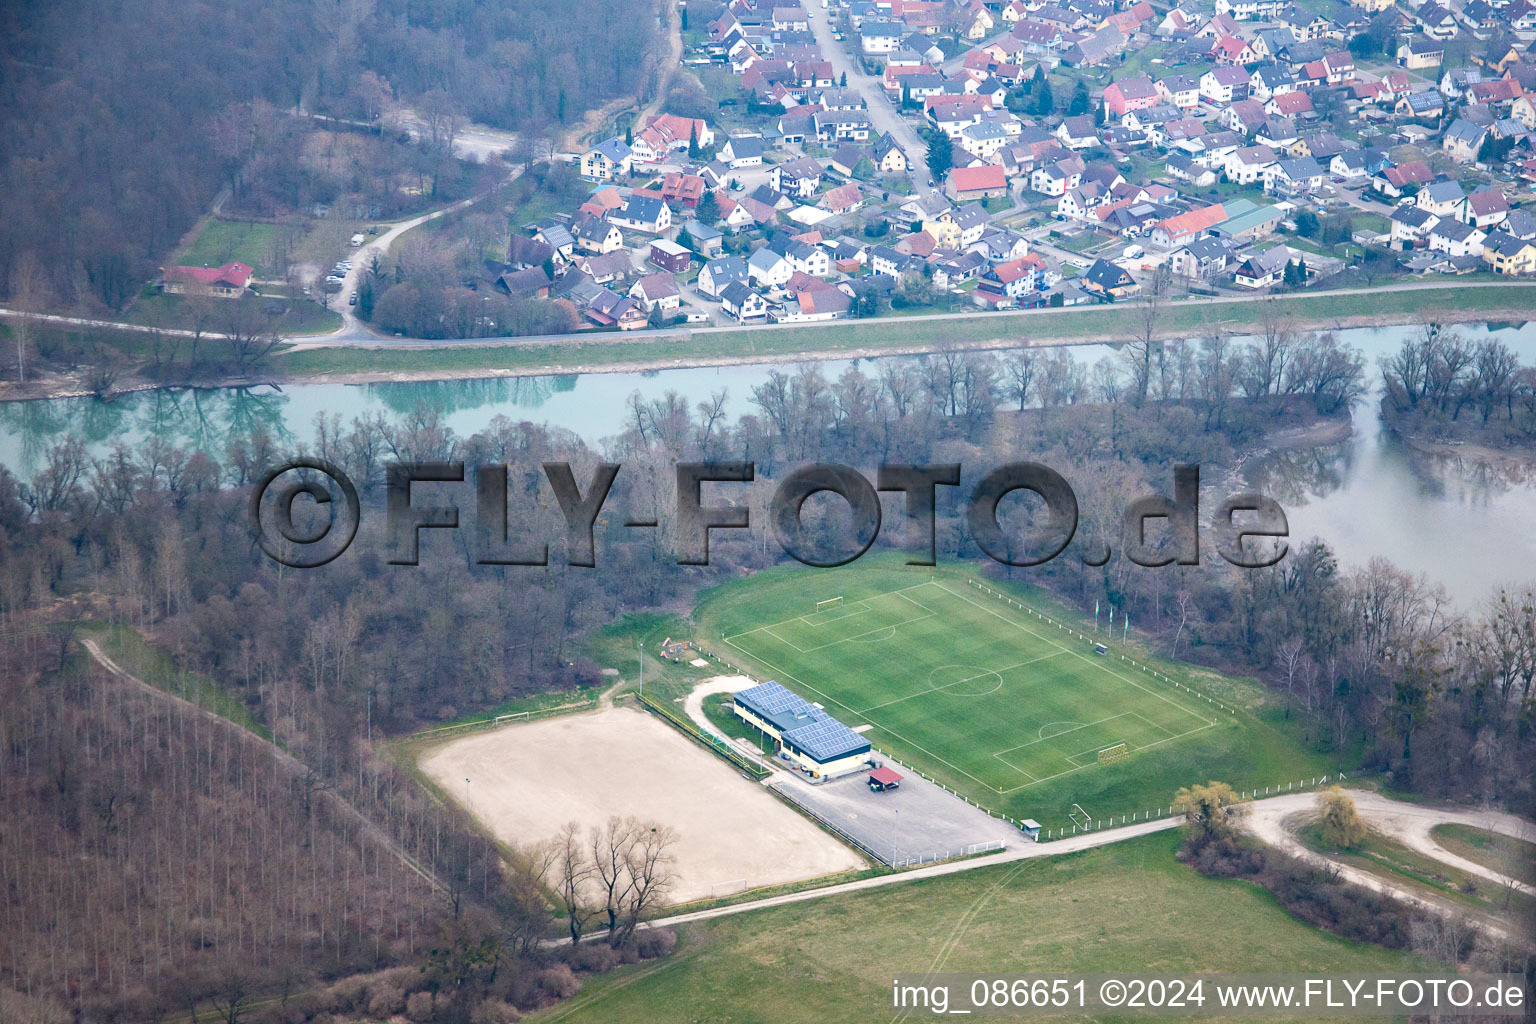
[(1256, 793), (1154, 673), (996, 845)]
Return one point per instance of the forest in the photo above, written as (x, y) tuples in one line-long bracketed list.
[(1370, 663), (124, 121)]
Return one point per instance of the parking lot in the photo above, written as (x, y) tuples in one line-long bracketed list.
[(918, 821)]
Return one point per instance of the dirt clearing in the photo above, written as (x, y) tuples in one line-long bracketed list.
[(527, 780)]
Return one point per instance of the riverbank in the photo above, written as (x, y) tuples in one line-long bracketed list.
[(904, 335), (313, 360)]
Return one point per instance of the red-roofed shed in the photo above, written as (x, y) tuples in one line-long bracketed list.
[(884, 778)]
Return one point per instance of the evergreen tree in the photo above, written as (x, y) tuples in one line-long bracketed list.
[(941, 154), (1079, 102), (708, 210), (684, 239), (1045, 103), (842, 80), (693, 141)]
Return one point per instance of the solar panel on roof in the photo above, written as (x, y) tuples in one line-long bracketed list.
[(826, 740)]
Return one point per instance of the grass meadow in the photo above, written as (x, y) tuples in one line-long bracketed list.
[(1130, 907)]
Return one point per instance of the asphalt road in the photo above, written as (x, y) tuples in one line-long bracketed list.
[(882, 112)]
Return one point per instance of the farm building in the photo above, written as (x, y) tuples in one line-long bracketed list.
[(802, 732)]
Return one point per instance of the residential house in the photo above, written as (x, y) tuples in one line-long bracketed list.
[(667, 133), (643, 213), (606, 160), (595, 234), (1202, 259), (1454, 238), (1506, 254), (227, 281), (670, 256), (769, 269), (1223, 86), (1181, 91), (718, 273), (657, 291), (1172, 232), (985, 182), (609, 309), (1128, 94), (1410, 226), (1109, 280), (1264, 269), (741, 302), (1005, 282), (682, 190), (1441, 198), (1294, 177), (1079, 132), (799, 177), (1402, 179), (843, 199), (1484, 208), (1436, 21), (744, 151), (707, 241), (889, 158)]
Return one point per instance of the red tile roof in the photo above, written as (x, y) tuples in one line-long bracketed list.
[(230, 275), (970, 179)]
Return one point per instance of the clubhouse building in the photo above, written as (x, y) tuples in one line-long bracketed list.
[(802, 732)]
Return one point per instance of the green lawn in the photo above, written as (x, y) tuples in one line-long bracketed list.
[(1083, 324), (1130, 907), (1005, 707), (303, 315), (222, 241)]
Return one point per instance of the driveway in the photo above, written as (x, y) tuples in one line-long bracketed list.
[(882, 112)]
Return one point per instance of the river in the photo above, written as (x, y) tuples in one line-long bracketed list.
[(1466, 525)]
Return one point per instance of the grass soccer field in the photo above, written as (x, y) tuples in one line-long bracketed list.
[(1004, 706)]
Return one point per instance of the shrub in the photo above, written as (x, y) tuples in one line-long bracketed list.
[(558, 982), (592, 957), (495, 1011), (419, 1007), (385, 1001), (655, 942)]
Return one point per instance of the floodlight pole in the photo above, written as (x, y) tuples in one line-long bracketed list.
[(640, 657)]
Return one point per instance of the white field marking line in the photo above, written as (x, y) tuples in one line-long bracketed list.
[(1078, 654), (991, 672), (801, 618), (1068, 732), (1149, 746), (833, 700), (867, 632)]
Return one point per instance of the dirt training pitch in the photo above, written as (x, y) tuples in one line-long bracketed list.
[(527, 780)]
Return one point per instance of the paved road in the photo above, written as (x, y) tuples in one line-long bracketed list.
[(882, 112), (1264, 820), (353, 331), (361, 338)]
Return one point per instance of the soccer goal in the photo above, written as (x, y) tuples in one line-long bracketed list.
[(516, 716), (1118, 752), (727, 888), (831, 602)]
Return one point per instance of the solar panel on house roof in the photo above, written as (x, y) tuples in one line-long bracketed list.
[(770, 699)]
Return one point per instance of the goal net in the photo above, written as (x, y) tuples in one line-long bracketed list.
[(1118, 752), (831, 602)]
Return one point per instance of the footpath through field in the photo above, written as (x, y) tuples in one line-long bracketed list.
[(1265, 820)]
